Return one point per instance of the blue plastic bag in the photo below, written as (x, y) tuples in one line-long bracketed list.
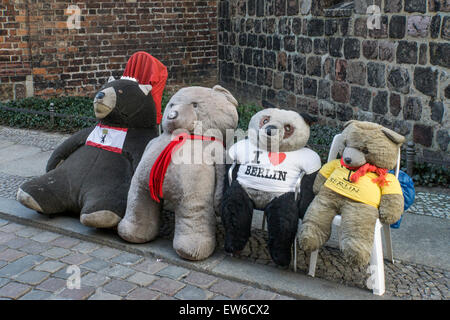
[(409, 193)]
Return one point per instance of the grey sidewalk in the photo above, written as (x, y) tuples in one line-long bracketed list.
[(421, 249)]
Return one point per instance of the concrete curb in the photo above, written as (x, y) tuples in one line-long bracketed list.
[(284, 282)]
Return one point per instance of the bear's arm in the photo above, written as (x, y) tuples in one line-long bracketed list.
[(65, 149), (136, 143), (318, 183), (391, 208), (306, 195)]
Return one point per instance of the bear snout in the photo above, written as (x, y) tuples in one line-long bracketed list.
[(348, 160)]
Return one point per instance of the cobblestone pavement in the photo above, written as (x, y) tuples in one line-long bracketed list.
[(34, 265), (404, 280)]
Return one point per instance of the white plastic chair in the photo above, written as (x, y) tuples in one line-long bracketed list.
[(376, 281), (263, 227)]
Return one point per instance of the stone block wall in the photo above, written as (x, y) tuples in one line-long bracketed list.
[(297, 54), (36, 44)]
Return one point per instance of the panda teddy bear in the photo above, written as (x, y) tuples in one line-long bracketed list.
[(270, 162), (91, 171)]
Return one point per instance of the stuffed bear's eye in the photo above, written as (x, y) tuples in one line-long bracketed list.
[(288, 128), (365, 150), (195, 104), (265, 121)]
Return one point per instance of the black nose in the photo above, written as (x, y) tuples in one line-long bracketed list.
[(271, 130), (100, 95), (348, 160)]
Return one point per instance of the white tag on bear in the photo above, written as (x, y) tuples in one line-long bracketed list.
[(107, 138)]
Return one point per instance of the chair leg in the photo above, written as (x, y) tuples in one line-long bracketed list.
[(388, 243), (312, 263), (376, 281)]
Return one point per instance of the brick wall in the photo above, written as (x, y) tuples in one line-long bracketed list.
[(296, 55), (35, 43)]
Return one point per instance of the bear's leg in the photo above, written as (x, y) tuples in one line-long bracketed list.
[(357, 227), (316, 226), (142, 217), (282, 221), (237, 213), (104, 206), (46, 194)]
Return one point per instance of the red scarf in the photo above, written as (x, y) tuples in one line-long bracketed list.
[(161, 164), (361, 171)]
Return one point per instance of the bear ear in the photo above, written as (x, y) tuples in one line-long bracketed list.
[(111, 79), (227, 94), (393, 136), (308, 119), (146, 88)]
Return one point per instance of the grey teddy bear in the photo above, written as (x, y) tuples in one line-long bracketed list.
[(193, 190)]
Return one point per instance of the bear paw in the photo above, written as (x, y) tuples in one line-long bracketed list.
[(28, 201), (356, 257), (308, 239), (194, 247), (100, 219)]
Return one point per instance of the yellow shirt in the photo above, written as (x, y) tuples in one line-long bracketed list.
[(364, 190)]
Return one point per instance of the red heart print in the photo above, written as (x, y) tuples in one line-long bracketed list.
[(276, 158)]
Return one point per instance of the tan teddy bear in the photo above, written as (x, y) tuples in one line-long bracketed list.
[(184, 171), (359, 188)]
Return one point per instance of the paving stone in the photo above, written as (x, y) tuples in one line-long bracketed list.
[(193, 293), (167, 286), (85, 247), (281, 297), (65, 242), (18, 243), (76, 258), (150, 266), (105, 253), (28, 232), (94, 279), (200, 279), (21, 265), (77, 294), (257, 294), (220, 297), (12, 227), (142, 279), (36, 295), (127, 259), (102, 295), (143, 294), (96, 264), (52, 285), (6, 237), (118, 271), (119, 287), (33, 277), (56, 253), (35, 248), (50, 266), (14, 290), (45, 237), (63, 274), (173, 272), (166, 297), (10, 255), (3, 281), (228, 288)]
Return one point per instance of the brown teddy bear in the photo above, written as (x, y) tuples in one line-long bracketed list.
[(171, 173), (359, 188)]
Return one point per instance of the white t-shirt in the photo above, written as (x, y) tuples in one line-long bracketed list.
[(107, 138), (269, 171)]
